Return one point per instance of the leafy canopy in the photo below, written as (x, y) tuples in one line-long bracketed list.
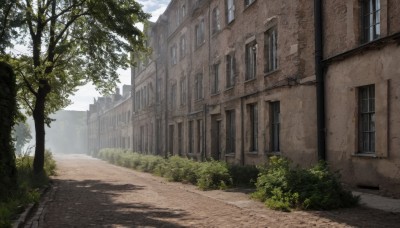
[(71, 43)]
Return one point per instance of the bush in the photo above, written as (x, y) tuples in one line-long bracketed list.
[(282, 187), (28, 187), (181, 170), (213, 175)]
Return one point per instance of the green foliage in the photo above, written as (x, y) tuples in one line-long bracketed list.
[(282, 187), (8, 111), (206, 175), (28, 188), (213, 175), (71, 43)]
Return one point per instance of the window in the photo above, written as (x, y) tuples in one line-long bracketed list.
[(183, 91), (230, 132), (270, 50), (182, 47), (215, 79), (199, 86), (275, 126), (248, 2), (371, 19), (253, 114), (183, 11), (230, 11), (190, 136), (180, 138), (230, 70), (199, 30), (366, 124), (200, 136), (173, 95), (173, 55), (159, 85), (216, 24), (251, 60)]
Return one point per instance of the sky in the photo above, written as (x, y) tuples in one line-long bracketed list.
[(85, 94)]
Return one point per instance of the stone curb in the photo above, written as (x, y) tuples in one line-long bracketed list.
[(30, 210)]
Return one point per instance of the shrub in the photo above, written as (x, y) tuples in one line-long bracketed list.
[(282, 187), (28, 187), (181, 170), (213, 175)]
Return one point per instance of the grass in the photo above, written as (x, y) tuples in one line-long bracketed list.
[(29, 188)]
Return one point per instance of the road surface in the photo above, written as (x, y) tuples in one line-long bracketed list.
[(88, 192)]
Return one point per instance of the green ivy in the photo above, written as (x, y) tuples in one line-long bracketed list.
[(8, 111)]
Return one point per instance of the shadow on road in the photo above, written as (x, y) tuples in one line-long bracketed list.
[(96, 203)]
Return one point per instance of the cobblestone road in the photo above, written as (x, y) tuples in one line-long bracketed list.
[(91, 193)]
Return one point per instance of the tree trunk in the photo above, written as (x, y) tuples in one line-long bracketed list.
[(38, 117)]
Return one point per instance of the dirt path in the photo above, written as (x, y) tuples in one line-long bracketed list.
[(92, 193)]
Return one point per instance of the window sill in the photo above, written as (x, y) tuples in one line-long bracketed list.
[(266, 74), (198, 100), (229, 88), (273, 153), (215, 94), (253, 153), (215, 34), (200, 45), (249, 5), (365, 155), (230, 155), (250, 80)]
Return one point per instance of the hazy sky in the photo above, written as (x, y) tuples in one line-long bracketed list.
[(84, 96)]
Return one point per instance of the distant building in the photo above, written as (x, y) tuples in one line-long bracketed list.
[(69, 126), (236, 81)]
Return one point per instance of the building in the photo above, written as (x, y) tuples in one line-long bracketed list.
[(237, 81), (109, 121), (361, 53)]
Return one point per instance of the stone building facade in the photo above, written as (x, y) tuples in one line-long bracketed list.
[(361, 56), (109, 121), (236, 81)]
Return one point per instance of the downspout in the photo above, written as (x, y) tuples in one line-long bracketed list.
[(157, 99), (166, 146), (319, 74)]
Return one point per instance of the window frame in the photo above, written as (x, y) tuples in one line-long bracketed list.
[(275, 124), (215, 21), (254, 122), (230, 70), (251, 60), (230, 132), (199, 32), (230, 11), (368, 116), (271, 54), (370, 19), (215, 79), (199, 86)]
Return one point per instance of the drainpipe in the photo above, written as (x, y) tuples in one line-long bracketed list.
[(319, 73)]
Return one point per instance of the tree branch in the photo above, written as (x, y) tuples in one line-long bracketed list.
[(55, 16)]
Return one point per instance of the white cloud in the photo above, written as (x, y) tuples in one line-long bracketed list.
[(85, 95)]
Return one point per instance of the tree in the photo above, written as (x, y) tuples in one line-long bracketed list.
[(72, 42), (8, 110), (22, 135)]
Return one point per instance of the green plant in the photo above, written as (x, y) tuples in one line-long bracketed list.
[(282, 187), (213, 175), (28, 187)]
